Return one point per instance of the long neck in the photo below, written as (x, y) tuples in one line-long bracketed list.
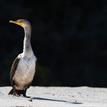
[(27, 49)]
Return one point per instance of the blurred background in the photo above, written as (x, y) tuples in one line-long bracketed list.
[(69, 39)]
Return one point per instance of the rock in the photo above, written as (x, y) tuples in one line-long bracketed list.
[(56, 97)]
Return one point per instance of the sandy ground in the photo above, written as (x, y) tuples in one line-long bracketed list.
[(56, 97)]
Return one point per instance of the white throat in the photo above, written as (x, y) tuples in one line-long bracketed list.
[(27, 48)]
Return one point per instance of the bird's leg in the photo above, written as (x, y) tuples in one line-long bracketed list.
[(16, 93), (21, 93), (24, 93)]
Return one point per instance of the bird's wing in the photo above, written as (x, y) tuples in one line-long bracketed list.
[(13, 68)]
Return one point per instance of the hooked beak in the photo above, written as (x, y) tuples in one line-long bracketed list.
[(15, 22)]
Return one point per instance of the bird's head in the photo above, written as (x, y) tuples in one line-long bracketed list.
[(21, 22)]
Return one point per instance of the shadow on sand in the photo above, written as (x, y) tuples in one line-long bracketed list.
[(48, 99)]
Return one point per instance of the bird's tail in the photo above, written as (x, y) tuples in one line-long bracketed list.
[(17, 92), (11, 92)]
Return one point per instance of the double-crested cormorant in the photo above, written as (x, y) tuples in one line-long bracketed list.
[(23, 68)]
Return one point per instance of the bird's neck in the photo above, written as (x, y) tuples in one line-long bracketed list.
[(27, 49)]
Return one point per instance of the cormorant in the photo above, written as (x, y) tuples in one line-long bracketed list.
[(23, 68)]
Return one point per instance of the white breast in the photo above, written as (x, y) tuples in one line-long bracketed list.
[(25, 71)]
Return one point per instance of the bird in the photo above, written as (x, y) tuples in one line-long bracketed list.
[(24, 66)]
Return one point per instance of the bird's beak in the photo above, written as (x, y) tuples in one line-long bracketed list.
[(15, 22)]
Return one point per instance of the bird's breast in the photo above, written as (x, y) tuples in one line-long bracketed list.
[(25, 71)]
